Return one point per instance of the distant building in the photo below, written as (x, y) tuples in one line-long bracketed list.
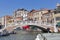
[(21, 14), (8, 20), (57, 16), (2, 20), (30, 15), (47, 16), (57, 10), (34, 15), (5, 20)]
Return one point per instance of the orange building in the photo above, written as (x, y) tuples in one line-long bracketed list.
[(31, 14), (8, 19)]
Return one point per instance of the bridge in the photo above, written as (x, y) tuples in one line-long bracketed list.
[(36, 23), (42, 26)]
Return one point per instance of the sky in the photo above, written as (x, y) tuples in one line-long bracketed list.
[(7, 7)]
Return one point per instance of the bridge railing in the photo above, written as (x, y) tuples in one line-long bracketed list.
[(22, 23)]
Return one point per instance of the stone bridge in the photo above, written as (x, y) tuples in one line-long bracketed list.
[(21, 24), (41, 25), (33, 23)]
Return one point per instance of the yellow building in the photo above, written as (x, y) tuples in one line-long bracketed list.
[(57, 12), (57, 16)]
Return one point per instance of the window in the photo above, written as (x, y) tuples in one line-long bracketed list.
[(57, 18)]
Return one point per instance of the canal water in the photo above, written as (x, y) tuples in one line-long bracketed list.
[(24, 35), (21, 35)]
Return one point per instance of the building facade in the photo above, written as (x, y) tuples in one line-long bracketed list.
[(21, 14), (47, 16), (2, 20)]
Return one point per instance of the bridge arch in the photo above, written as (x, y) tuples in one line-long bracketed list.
[(39, 27)]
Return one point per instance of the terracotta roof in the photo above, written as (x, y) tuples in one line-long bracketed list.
[(33, 10), (7, 16)]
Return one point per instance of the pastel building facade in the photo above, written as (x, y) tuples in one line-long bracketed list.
[(2, 20), (47, 16), (34, 15), (20, 14)]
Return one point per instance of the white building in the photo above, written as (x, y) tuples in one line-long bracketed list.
[(22, 13), (2, 20)]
